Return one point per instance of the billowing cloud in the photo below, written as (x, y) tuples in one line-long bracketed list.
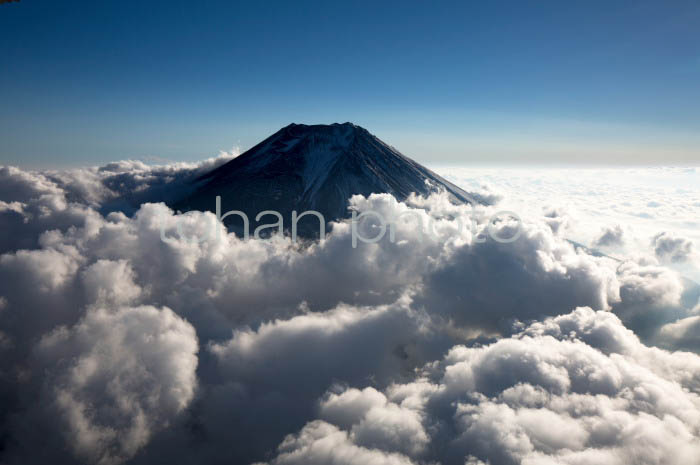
[(34, 202), (669, 247), (106, 384), (557, 219), (612, 236), (683, 333), (644, 201), (578, 388), (119, 346), (321, 443)]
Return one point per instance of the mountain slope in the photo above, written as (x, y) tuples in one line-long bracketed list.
[(316, 167)]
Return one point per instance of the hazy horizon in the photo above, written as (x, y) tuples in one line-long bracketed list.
[(537, 159)]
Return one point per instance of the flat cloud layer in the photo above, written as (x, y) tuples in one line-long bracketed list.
[(118, 346)]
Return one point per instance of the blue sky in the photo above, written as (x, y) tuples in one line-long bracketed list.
[(448, 82)]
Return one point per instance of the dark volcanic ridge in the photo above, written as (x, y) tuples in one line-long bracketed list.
[(313, 167)]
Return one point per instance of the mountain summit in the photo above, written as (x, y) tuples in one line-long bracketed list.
[(313, 167)]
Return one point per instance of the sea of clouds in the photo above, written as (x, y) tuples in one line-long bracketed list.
[(575, 344)]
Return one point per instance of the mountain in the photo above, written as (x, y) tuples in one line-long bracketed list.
[(312, 167)]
